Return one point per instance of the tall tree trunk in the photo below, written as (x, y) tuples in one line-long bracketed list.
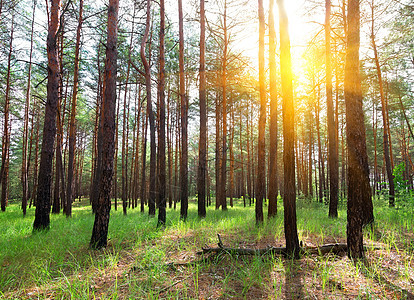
[(289, 193), (144, 161), (100, 226), (4, 172), (161, 141), (333, 151), (249, 164), (170, 126), (359, 191), (384, 107), (243, 186), (42, 218), (231, 151), (223, 164), (184, 119), (36, 160), (25, 186), (72, 124), (261, 155), (153, 151), (202, 150), (218, 152), (273, 143)]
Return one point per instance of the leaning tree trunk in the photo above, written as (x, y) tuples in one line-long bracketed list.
[(100, 226), (289, 190), (202, 150), (42, 218)]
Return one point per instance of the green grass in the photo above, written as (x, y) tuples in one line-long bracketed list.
[(58, 264)]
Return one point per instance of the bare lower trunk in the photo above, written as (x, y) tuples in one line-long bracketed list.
[(42, 218)]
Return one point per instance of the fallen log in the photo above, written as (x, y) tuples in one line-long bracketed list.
[(321, 250), (336, 248)]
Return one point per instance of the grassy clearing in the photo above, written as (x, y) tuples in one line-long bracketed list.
[(58, 264)]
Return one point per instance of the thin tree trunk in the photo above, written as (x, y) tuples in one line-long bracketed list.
[(153, 151), (72, 130), (333, 151), (25, 169), (217, 152), (4, 172), (261, 155), (273, 143), (202, 150), (144, 161), (184, 119), (231, 152), (161, 141), (384, 110), (36, 161)]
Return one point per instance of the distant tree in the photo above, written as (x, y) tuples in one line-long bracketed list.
[(100, 226), (289, 190), (359, 190), (42, 218)]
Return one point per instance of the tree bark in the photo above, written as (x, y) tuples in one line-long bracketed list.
[(153, 150), (289, 191), (161, 142), (72, 130), (25, 169), (42, 218), (184, 119), (359, 191), (4, 171), (333, 152), (273, 143), (202, 150), (261, 155), (100, 226)]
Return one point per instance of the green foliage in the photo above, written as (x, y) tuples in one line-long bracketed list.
[(399, 182)]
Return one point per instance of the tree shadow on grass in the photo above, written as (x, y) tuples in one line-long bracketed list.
[(382, 275), (293, 279)]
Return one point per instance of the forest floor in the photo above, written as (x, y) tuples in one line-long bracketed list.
[(142, 262)]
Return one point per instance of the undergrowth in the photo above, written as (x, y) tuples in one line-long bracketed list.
[(139, 260)]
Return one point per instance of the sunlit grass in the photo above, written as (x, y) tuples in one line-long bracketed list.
[(58, 263)]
